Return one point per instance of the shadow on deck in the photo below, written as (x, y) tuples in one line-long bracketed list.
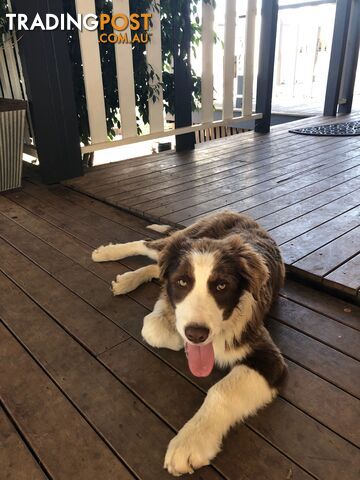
[(85, 398), (304, 190)]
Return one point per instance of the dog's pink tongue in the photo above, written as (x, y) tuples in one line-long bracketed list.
[(201, 359)]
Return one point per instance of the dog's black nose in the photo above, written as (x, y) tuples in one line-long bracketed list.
[(196, 333)]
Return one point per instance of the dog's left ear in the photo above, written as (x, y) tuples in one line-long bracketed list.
[(252, 266), (176, 247)]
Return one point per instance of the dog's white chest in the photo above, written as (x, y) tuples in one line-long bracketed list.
[(227, 357)]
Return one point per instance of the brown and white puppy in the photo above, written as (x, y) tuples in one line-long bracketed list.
[(219, 279)]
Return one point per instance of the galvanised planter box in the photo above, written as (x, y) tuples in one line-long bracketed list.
[(12, 124)]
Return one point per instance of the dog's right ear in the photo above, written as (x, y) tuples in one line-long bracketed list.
[(171, 255)]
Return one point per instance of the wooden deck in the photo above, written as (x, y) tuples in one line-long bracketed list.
[(84, 398), (305, 190), (309, 107)]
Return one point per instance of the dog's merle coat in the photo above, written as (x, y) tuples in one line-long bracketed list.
[(221, 273)]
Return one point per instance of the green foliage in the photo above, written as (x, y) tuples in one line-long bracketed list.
[(3, 20), (142, 71)]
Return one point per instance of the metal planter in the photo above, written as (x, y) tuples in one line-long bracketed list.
[(12, 124)]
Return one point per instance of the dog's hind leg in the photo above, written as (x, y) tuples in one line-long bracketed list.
[(159, 327), (129, 281), (118, 251)]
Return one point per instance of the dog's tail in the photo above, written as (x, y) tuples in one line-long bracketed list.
[(164, 229)]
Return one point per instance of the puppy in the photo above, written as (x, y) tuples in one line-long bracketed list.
[(219, 278)]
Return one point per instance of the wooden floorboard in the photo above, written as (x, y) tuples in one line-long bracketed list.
[(313, 219), (219, 147), (203, 168), (319, 358), (305, 189), (305, 244), (343, 312), (190, 161), (269, 190), (169, 191), (16, 460), (346, 275), (328, 190), (318, 326), (116, 414), (64, 441), (280, 196), (161, 201), (335, 253), (84, 348)]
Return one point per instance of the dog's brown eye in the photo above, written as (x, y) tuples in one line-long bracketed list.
[(182, 282), (220, 287)]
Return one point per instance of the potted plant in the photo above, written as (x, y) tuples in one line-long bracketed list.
[(12, 125)]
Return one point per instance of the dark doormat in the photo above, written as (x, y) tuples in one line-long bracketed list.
[(335, 130)]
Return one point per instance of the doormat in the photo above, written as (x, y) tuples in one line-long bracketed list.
[(335, 130)]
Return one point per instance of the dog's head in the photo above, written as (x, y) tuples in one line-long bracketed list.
[(205, 281)]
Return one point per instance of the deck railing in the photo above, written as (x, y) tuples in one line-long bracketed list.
[(94, 88), (12, 83)]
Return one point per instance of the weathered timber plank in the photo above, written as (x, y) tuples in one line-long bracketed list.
[(346, 276), (308, 242), (80, 319), (323, 303), (16, 460), (67, 445), (123, 363), (335, 253), (334, 366), (321, 327), (138, 436)]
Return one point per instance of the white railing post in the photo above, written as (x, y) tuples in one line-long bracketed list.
[(249, 58), (125, 76), (126, 82), (94, 88), (207, 75), (229, 59), (154, 59), (4, 76)]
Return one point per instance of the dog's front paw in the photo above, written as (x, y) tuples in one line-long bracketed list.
[(101, 254), (192, 448), (124, 284), (157, 333), (118, 288)]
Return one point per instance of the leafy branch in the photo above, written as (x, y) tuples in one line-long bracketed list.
[(147, 83), (3, 20)]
